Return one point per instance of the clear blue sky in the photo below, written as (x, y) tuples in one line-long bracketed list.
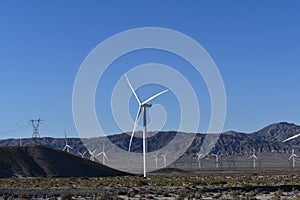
[(255, 44)]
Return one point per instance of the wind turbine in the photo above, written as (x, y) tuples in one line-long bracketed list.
[(142, 105), (103, 154), (293, 156), (165, 159), (156, 159), (92, 153), (82, 154), (293, 137), (253, 156), (199, 157), (217, 159), (67, 147)]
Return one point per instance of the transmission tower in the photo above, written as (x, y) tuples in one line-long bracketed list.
[(35, 125)]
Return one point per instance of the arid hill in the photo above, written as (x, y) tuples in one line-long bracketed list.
[(40, 161)]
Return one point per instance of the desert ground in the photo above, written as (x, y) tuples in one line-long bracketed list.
[(167, 185)]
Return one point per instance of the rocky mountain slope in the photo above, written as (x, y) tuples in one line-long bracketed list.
[(40, 161), (266, 140)]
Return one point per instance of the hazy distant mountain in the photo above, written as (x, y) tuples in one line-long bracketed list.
[(277, 132), (39, 161), (266, 140)]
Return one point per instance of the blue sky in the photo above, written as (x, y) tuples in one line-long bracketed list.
[(255, 45)]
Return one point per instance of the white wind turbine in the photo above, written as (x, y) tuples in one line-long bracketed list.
[(254, 157), (156, 159), (82, 154), (293, 137), (67, 147), (217, 159), (142, 105), (293, 156), (92, 153), (104, 157), (199, 157), (165, 159)]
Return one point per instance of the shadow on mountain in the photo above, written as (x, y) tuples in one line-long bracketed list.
[(40, 161)]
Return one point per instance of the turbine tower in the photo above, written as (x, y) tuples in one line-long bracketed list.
[(103, 154), (253, 156), (165, 159), (142, 106), (82, 154), (199, 157), (217, 159), (92, 153), (67, 147), (156, 160), (293, 156)]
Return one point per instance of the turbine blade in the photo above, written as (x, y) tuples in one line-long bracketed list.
[(94, 151), (103, 146), (154, 96), (136, 96), (105, 156), (99, 154), (64, 148), (290, 138), (135, 125), (90, 152)]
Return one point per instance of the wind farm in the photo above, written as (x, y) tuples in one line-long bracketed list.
[(260, 173), (159, 100)]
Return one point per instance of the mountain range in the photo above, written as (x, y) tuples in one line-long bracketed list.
[(268, 139), (230, 145)]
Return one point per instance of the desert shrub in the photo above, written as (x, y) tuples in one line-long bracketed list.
[(248, 188), (132, 192), (23, 196), (5, 196), (52, 198), (107, 196), (122, 192), (296, 198), (67, 196), (219, 182), (166, 194), (264, 192), (142, 183)]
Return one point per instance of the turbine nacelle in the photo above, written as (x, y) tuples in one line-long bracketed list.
[(146, 105)]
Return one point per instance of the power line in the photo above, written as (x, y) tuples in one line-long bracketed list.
[(58, 133), (12, 129)]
